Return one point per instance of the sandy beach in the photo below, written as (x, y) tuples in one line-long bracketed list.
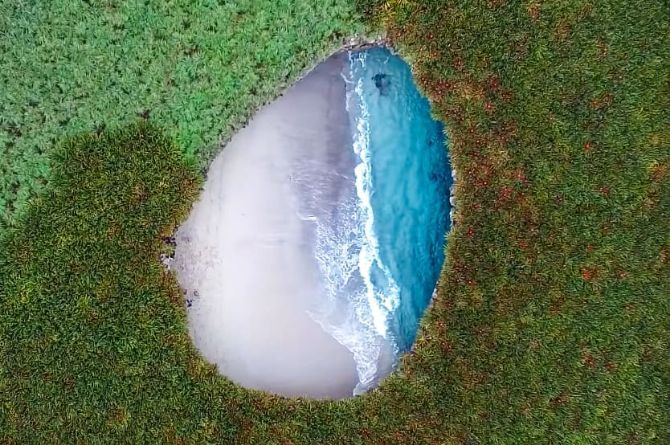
[(243, 257)]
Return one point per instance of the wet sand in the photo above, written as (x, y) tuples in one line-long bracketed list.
[(244, 255)]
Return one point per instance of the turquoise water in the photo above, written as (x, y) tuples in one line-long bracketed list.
[(381, 248)]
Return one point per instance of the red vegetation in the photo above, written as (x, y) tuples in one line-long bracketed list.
[(588, 274)]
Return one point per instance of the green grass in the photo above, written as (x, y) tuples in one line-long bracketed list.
[(93, 340), (552, 321), (197, 68)]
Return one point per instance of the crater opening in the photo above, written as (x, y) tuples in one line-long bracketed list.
[(318, 239)]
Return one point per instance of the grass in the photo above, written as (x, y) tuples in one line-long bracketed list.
[(552, 321), (197, 68), (93, 340)]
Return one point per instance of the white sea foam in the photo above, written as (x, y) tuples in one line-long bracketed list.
[(360, 289), (381, 301)]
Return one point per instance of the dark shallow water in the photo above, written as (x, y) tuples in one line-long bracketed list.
[(377, 214)]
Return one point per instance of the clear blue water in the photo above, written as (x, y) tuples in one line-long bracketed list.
[(381, 248)]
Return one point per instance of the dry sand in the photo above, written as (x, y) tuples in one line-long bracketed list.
[(243, 256)]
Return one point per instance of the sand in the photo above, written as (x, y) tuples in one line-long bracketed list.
[(244, 258)]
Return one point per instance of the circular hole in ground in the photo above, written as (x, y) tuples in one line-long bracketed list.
[(316, 244)]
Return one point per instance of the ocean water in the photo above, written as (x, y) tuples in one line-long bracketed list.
[(377, 215)]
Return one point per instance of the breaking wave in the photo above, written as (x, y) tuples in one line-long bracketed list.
[(363, 309)]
